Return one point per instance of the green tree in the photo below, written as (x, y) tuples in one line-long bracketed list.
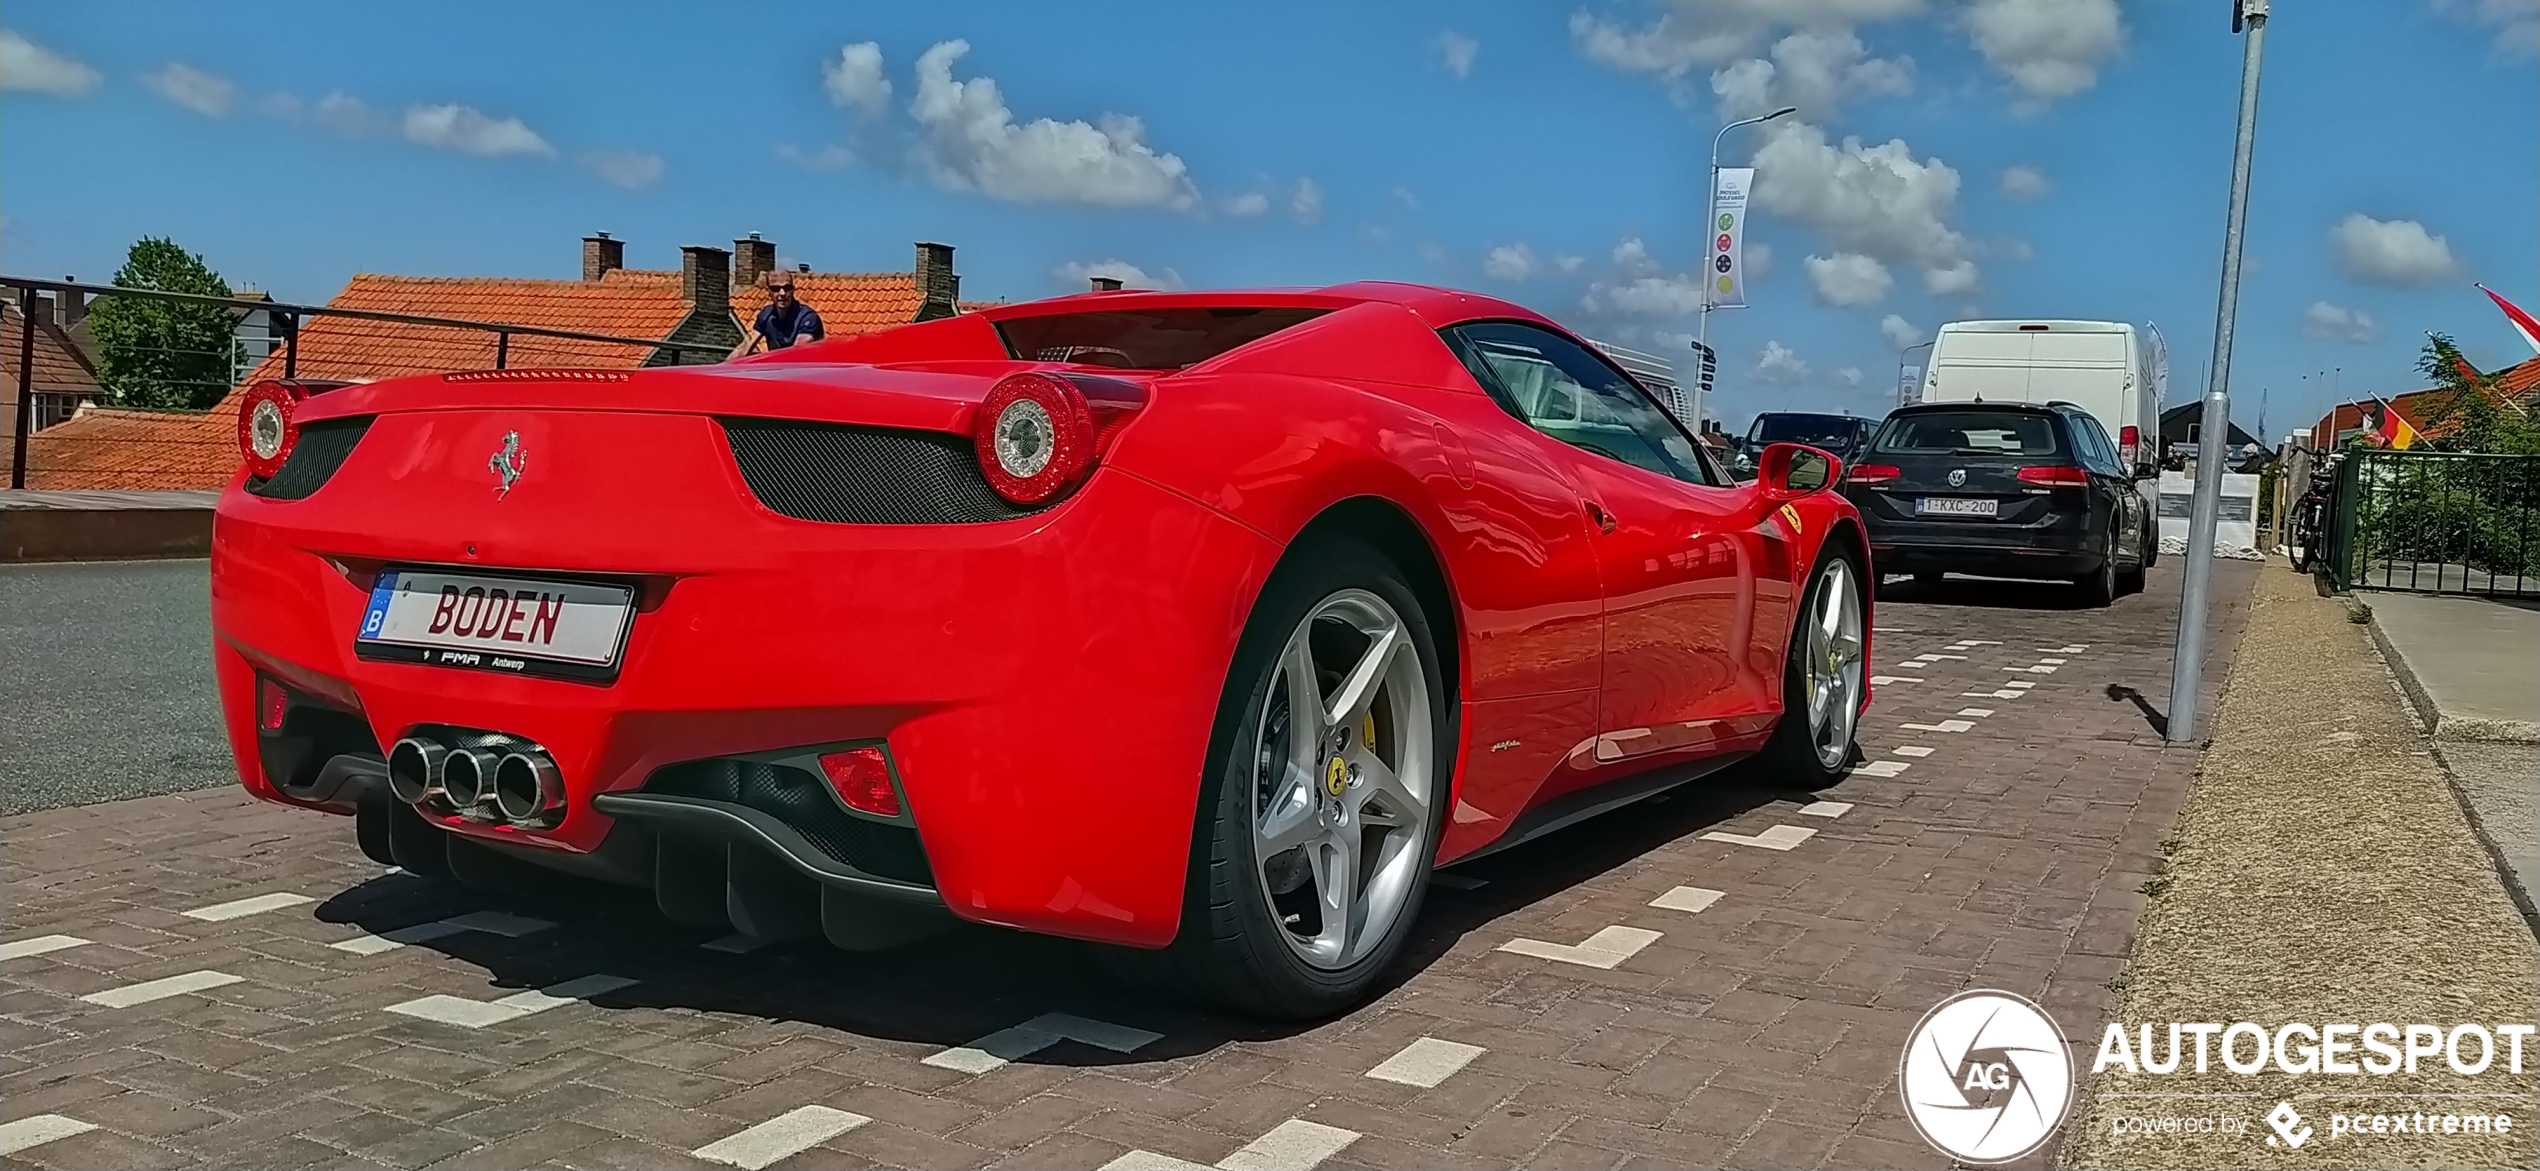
[(167, 355), (2476, 416)]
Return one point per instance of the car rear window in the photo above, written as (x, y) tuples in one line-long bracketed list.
[(1144, 339), (1813, 430), (1968, 433)]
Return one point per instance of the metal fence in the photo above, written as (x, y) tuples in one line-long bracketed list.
[(92, 408), (2438, 522)]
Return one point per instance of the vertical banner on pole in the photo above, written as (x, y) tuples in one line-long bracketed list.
[(1705, 365), (1728, 229)]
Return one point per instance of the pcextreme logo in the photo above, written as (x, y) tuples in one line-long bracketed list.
[(2287, 1124), (1986, 1076)]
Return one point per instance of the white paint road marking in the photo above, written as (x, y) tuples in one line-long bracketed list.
[(782, 1137), (1984, 642), (149, 990), (477, 1014), (1294, 1145), (492, 922), (37, 1130), (2056, 662), (1427, 1061), (1023, 1040), (1780, 837), (1608, 947), (1977, 712), (39, 945), (1880, 768), (241, 908), (2073, 649), (2041, 669), (1943, 726), (500, 923), (1691, 900), (1927, 660), (2021, 684), (1912, 750), (1988, 695), (1884, 680), (1825, 809)]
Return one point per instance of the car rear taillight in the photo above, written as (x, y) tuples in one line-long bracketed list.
[(862, 777), (2055, 477), (268, 426), (1039, 435), (2127, 437), (1874, 473), (272, 705)]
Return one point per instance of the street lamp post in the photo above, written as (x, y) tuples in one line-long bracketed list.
[(2187, 663), (1710, 208), (1900, 369)]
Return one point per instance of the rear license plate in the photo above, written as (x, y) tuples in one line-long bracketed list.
[(521, 625), (1956, 506)]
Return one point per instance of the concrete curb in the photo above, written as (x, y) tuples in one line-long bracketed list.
[(2437, 725)]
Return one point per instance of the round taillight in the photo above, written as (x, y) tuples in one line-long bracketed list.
[(267, 427), (1035, 437)]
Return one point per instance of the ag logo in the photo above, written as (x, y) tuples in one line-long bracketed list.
[(1986, 1077)]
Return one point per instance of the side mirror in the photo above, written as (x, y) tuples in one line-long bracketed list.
[(1788, 471)]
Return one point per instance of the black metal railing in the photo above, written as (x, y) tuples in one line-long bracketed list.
[(244, 338), (2437, 522)]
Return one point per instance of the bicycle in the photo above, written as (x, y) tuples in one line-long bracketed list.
[(2306, 525)]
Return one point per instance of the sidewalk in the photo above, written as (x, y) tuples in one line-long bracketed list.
[(2472, 667)]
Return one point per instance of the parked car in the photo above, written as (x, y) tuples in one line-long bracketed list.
[(2003, 490), (2104, 367), (1840, 435), (1204, 625)]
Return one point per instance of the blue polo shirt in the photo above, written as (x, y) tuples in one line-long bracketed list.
[(784, 329)]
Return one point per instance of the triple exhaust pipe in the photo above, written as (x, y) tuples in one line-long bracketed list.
[(492, 777)]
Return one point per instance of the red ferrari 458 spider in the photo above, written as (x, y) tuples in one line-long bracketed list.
[(1205, 625)]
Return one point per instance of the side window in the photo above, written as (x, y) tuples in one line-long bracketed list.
[(1559, 388), (2092, 439)]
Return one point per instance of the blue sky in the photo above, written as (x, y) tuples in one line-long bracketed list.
[(1952, 158)]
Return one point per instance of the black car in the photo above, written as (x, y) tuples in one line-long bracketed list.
[(1843, 435), (2003, 490)]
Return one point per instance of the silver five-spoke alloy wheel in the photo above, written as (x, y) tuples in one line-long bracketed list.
[(1833, 660), (1343, 779)]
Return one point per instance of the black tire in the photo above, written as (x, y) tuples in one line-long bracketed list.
[(1228, 951), (1788, 759), (2152, 535), (2130, 581), (2099, 588)]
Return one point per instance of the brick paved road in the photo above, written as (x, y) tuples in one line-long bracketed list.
[(1752, 1018)]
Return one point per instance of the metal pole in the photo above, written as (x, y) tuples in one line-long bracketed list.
[(1900, 369), (25, 422), (2187, 666), (1710, 212)]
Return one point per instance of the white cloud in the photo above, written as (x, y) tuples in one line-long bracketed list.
[(2391, 252), (1632, 257), (1129, 275), (854, 80), (1900, 333), (346, 114), (1716, 32), (25, 65), (1377, 234), (973, 144), (1952, 281), (2338, 323), (1509, 262), (1569, 264), (204, 93), (1433, 252), (1458, 51), (823, 158), (2517, 22), (470, 131), (2024, 183), (1778, 363), (2015, 248), (1876, 200), (1848, 280), (2047, 48), (1306, 203), (625, 168), (1813, 70), (1758, 259), (1403, 196), (1249, 205), (1849, 376), (1653, 296)]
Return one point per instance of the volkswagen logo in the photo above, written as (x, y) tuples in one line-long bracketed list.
[(1957, 477), (1986, 1077)]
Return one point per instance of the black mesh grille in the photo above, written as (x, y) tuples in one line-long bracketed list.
[(864, 475), (798, 799), (322, 448)]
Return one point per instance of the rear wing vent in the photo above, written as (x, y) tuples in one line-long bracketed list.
[(536, 376)]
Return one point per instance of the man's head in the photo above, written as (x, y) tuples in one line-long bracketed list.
[(780, 288)]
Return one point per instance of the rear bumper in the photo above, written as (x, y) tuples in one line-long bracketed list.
[(1045, 688)]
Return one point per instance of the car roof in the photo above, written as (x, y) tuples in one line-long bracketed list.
[(1434, 304), (2028, 408)]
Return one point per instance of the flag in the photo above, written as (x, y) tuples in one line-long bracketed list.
[(2523, 324), (1725, 286), (2393, 431)]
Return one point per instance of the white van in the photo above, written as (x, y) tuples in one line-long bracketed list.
[(2104, 367)]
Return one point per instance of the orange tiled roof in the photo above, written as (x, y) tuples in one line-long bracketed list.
[(646, 305), (850, 303), (114, 448), (59, 366)]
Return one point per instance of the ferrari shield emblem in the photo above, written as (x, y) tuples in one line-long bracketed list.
[(1791, 516), (1335, 777)]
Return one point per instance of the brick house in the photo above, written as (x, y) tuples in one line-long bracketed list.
[(64, 378), (706, 303), (2520, 384)]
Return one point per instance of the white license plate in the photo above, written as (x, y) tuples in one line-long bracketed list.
[(496, 623), (1957, 506)]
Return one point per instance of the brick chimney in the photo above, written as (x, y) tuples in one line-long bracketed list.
[(938, 289), (600, 254), (1106, 284), (74, 304), (752, 258), (705, 278)]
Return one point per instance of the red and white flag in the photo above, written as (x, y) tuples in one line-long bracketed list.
[(2523, 324)]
